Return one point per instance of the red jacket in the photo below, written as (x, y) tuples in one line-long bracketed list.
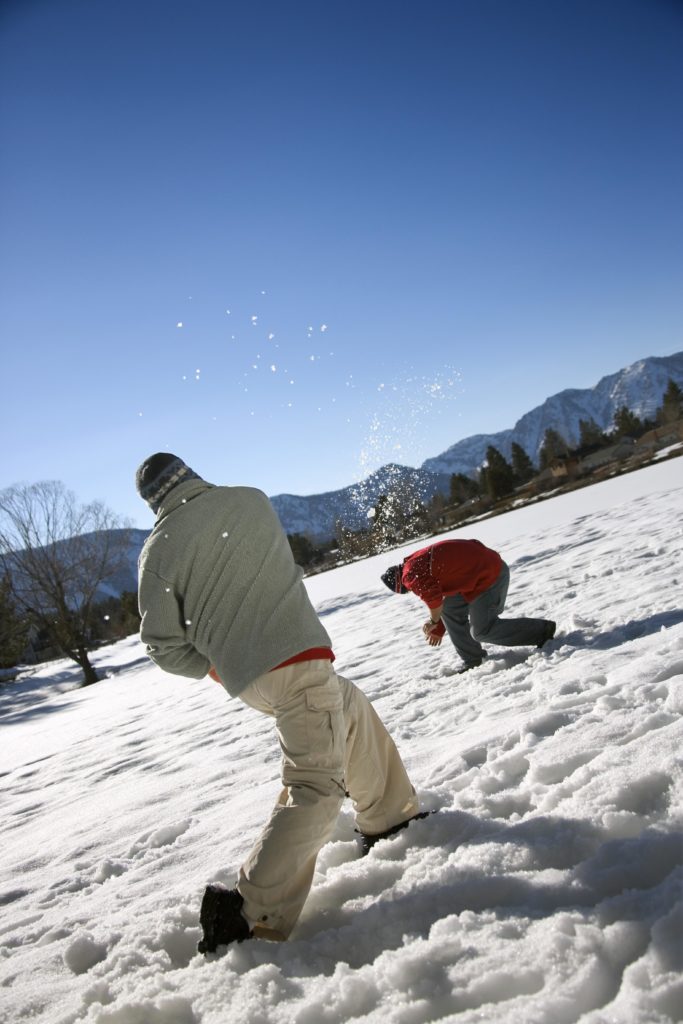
[(463, 567)]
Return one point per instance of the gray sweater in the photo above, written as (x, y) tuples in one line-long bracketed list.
[(218, 586)]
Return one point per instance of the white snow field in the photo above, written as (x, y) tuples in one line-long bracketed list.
[(546, 888)]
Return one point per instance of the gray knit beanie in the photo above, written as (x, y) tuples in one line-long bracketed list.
[(158, 475)]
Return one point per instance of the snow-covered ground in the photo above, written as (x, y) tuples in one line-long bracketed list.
[(545, 890)]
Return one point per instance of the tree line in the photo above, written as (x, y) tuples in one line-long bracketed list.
[(498, 477)]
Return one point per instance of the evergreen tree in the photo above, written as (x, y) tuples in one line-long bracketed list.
[(115, 617), (671, 408), (554, 447), (352, 543), (437, 504), (500, 478), (463, 488), (129, 608), (626, 423), (305, 554), (522, 466), (591, 435), (389, 520), (14, 628)]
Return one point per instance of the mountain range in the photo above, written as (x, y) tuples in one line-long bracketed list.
[(639, 387)]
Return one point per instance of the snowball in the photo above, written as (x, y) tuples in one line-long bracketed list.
[(83, 953), (108, 869)]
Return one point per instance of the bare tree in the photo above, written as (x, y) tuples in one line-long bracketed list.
[(56, 555)]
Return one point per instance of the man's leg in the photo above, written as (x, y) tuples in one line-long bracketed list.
[(376, 779), (275, 879), (456, 619), (487, 626)]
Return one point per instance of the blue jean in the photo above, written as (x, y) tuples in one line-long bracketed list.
[(469, 623)]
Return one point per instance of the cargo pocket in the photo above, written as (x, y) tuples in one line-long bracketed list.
[(325, 721), (312, 734)]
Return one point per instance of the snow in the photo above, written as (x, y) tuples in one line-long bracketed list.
[(546, 888)]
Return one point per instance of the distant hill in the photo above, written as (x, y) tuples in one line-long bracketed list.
[(127, 579)]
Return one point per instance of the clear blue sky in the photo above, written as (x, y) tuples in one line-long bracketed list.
[(443, 212)]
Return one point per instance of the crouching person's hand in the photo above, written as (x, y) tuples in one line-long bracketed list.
[(434, 632)]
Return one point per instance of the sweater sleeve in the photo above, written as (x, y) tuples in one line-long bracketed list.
[(163, 633)]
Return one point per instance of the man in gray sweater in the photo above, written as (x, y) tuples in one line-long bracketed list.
[(220, 595)]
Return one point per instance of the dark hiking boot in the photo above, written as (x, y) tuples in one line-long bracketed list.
[(221, 919), (548, 633), (466, 666), (367, 842)]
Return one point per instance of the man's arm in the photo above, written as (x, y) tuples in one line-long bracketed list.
[(418, 578), (163, 633), (435, 613)]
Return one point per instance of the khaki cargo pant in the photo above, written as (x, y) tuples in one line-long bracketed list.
[(333, 745)]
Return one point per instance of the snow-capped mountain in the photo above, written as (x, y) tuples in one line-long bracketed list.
[(639, 387)]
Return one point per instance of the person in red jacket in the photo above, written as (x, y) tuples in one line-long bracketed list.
[(464, 584)]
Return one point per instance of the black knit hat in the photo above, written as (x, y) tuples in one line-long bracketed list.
[(158, 475), (392, 578)]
